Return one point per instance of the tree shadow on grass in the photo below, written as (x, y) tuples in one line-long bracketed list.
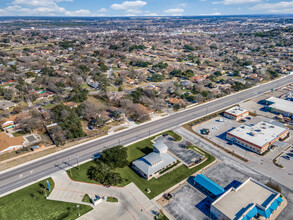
[(146, 150)]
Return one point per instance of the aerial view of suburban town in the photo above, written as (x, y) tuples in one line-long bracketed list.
[(128, 114)]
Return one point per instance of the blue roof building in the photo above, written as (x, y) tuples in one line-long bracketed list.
[(250, 199), (210, 187)]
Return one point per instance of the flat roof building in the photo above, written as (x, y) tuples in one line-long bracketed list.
[(153, 163), (279, 106), (237, 113), (248, 200), (258, 137)]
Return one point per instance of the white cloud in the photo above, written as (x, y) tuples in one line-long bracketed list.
[(211, 14), (237, 2), (34, 2), (81, 12), (102, 10), (40, 8), (133, 11), (176, 11), (279, 7), (128, 5)]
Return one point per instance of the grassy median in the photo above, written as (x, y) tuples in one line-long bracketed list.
[(157, 186), (31, 203)]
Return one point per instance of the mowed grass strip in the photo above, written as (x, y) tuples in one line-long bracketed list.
[(112, 199), (135, 151), (31, 203)]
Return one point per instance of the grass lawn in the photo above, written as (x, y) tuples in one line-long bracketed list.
[(19, 133), (161, 216), (30, 203), (136, 151), (112, 199), (86, 198)]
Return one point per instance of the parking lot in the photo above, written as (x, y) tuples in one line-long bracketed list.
[(184, 201), (178, 149), (219, 126), (286, 159)]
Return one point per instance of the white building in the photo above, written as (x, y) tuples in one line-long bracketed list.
[(280, 106), (236, 113), (155, 162), (258, 137)]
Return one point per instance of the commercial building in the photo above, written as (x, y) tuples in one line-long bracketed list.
[(258, 137), (209, 187), (8, 143), (279, 106), (250, 200), (155, 162), (236, 113)]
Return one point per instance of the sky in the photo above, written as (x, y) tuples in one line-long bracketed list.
[(113, 8)]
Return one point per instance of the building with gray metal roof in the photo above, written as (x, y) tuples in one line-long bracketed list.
[(279, 106), (155, 162)]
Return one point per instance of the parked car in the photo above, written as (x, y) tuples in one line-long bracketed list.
[(286, 157), (96, 156)]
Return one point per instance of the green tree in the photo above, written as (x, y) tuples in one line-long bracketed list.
[(115, 157)]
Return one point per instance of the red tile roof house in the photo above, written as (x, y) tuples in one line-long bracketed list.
[(199, 78)]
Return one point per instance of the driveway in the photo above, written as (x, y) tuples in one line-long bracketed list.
[(132, 203)]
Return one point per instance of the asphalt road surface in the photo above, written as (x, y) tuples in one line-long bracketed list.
[(28, 173)]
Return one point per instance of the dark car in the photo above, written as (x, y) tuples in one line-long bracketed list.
[(286, 157)]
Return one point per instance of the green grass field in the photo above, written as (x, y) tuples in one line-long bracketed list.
[(112, 199), (31, 203), (156, 186), (86, 198)]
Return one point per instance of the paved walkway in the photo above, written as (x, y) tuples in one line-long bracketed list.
[(132, 203)]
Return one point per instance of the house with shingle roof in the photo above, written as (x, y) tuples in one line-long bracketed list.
[(8, 143)]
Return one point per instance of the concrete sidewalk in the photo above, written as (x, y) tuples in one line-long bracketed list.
[(132, 203)]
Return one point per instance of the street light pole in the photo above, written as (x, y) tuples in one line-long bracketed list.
[(77, 158), (78, 210), (69, 166)]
